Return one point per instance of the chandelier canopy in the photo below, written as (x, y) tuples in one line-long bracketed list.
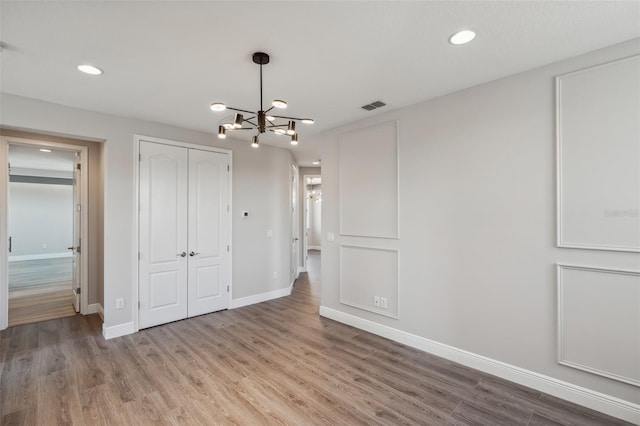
[(261, 120)]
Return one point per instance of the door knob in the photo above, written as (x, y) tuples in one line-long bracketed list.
[(193, 253), (71, 248), (183, 254)]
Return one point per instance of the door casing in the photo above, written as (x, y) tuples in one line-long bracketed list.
[(5, 141)]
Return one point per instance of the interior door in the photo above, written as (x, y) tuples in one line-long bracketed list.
[(163, 249), (294, 224), (76, 248), (208, 232)]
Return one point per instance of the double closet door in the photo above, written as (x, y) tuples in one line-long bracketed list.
[(184, 262)]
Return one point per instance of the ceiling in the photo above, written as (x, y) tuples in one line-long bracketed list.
[(30, 157), (168, 61)]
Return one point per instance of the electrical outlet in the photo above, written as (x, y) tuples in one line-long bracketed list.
[(376, 301), (120, 303), (383, 302), (44, 246), (275, 275)]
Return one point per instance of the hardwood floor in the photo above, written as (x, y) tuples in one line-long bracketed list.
[(40, 290), (276, 362), (40, 303), (25, 273)]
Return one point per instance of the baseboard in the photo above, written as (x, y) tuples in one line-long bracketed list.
[(610, 405), (314, 247), (95, 308), (117, 330), (262, 297), (40, 256)]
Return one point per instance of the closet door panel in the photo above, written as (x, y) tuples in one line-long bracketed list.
[(163, 234), (208, 224)]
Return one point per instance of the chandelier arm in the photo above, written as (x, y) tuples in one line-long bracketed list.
[(287, 118), (277, 126), (269, 109), (241, 128), (251, 122), (241, 110)]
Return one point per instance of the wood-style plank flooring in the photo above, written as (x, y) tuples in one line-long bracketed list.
[(37, 272), (276, 362), (40, 303), (40, 290)]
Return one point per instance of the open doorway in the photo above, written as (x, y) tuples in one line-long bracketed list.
[(45, 188), (312, 217)]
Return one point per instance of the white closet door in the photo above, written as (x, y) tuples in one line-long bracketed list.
[(208, 232), (163, 234)]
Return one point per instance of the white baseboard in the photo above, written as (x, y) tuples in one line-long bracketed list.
[(610, 405), (117, 330), (262, 297), (95, 308), (301, 269), (314, 247), (40, 256)]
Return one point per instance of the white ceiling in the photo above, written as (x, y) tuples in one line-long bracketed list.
[(167, 61), (29, 157)]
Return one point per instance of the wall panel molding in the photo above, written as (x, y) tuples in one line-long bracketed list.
[(369, 181), (599, 321), (598, 157), (366, 272)]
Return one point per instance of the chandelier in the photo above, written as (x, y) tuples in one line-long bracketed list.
[(261, 121)]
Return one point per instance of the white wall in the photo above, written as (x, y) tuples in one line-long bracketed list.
[(477, 216), (260, 183), (261, 187), (40, 215)]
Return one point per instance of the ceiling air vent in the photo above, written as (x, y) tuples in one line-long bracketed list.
[(373, 105)]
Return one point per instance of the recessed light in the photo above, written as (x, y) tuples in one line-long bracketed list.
[(89, 69), (315, 163), (218, 106), (44, 150), (462, 37), (307, 120)]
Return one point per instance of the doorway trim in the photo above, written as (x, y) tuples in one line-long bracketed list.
[(136, 216), (5, 141)]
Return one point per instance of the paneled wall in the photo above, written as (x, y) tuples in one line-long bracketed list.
[(477, 248), (369, 218)]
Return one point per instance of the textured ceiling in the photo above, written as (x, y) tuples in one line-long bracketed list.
[(167, 61)]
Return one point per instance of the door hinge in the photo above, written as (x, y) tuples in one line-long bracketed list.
[(227, 208), (79, 166), (138, 255), (139, 157), (228, 168), (227, 248), (227, 289), (138, 305)]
